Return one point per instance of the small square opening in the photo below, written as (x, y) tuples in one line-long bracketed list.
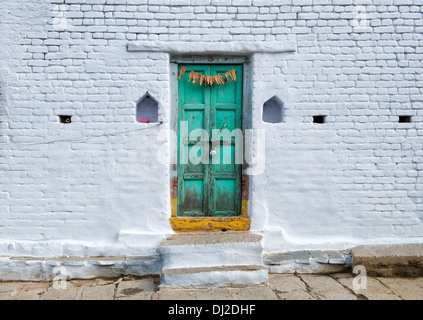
[(404, 119), (65, 119), (319, 119)]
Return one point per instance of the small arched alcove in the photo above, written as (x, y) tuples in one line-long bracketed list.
[(147, 109), (273, 110)]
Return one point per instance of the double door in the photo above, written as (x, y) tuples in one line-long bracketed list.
[(209, 160)]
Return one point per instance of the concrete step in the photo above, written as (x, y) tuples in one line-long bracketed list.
[(206, 277), (210, 249), (212, 259), (394, 260)]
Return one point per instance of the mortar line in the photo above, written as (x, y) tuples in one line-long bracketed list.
[(309, 290), (390, 289), (357, 295), (116, 288)]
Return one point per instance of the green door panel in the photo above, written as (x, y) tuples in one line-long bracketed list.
[(209, 117)]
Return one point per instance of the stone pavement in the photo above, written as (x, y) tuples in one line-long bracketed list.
[(338, 286)]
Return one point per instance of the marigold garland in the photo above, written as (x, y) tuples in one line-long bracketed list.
[(208, 80)]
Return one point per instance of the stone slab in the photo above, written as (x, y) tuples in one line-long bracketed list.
[(406, 289), (193, 294), (312, 268), (6, 289), (15, 268), (248, 293), (29, 291), (305, 261), (104, 292), (372, 289), (321, 283), (327, 288), (335, 257), (69, 293), (302, 257), (165, 293), (319, 256), (141, 289), (295, 295), (71, 289), (253, 293), (214, 276), (278, 258), (96, 289), (210, 238), (339, 294), (211, 269), (286, 282), (400, 260), (213, 294)]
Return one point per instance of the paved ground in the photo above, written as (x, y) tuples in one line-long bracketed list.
[(280, 287)]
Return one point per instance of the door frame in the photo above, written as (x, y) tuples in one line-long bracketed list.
[(201, 224)]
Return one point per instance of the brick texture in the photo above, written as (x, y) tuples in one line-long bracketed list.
[(358, 175)]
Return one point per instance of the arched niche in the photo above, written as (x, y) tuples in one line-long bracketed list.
[(273, 110), (147, 109)]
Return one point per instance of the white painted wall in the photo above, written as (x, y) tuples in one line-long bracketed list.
[(355, 179)]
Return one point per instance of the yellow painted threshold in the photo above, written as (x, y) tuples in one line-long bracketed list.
[(201, 224)]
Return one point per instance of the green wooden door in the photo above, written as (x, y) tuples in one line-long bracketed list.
[(209, 161)]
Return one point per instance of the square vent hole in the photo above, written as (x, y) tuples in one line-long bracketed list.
[(65, 119), (404, 119), (319, 119)]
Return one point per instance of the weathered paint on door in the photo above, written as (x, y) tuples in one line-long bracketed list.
[(209, 186)]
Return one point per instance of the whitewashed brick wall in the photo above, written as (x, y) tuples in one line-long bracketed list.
[(355, 179)]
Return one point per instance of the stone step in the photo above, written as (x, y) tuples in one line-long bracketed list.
[(206, 277), (212, 259), (212, 249), (393, 260)]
